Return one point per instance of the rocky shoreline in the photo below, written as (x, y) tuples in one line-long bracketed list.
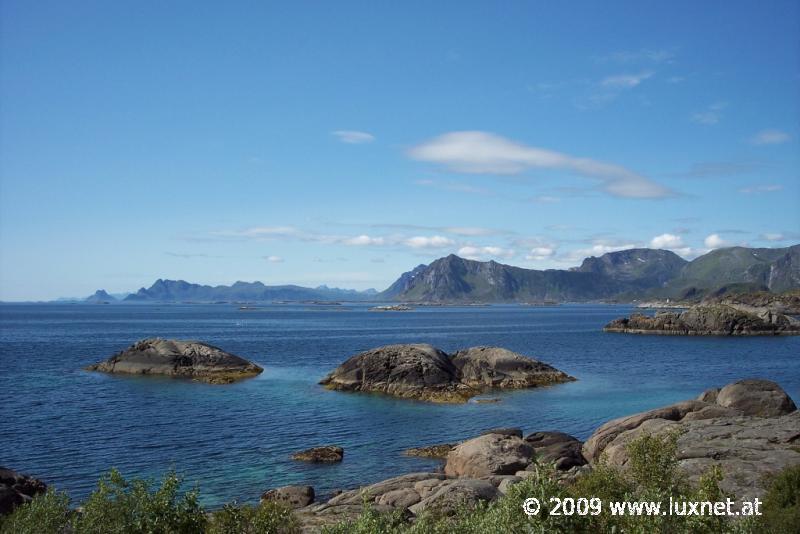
[(424, 372), (709, 320), (749, 429)]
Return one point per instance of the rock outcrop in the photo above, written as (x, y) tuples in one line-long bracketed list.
[(326, 454), (293, 496), (424, 372), (181, 359), (439, 451), (494, 367), (561, 449), (17, 489), (750, 429), (710, 320)]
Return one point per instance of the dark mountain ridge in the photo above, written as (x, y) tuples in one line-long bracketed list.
[(625, 275)]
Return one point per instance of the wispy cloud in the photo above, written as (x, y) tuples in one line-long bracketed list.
[(766, 188), (625, 81), (363, 241), (274, 259), (779, 236), (770, 137), (643, 55), (482, 152), (481, 253), (709, 169), (540, 253), (190, 255), (434, 242), (467, 231), (353, 137), (711, 115)]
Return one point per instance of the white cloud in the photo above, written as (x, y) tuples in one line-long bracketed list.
[(546, 199), (773, 237), (363, 241), (353, 137), (666, 241), (754, 189), (260, 232), (436, 241), (274, 259), (540, 253), (483, 152), (712, 115), (770, 137), (641, 55), (481, 253), (625, 81), (715, 241)]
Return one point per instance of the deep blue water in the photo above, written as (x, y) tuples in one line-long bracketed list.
[(68, 426)]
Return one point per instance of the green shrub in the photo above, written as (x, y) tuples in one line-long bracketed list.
[(267, 518), (47, 513), (781, 509), (120, 507)]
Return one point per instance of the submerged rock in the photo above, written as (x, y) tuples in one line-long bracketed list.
[(708, 320), (183, 359), (423, 372), (439, 451), (750, 429), (17, 489), (326, 454)]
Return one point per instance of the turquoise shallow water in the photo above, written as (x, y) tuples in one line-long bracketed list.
[(68, 426)]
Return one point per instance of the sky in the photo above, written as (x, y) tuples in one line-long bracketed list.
[(343, 143)]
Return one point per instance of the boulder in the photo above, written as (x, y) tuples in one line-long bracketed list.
[(424, 372), (17, 489), (181, 359), (325, 454), (294, 496), (452, 495), (495, 367), (558, 448), (490, 454), (756, 397), (751, 431), (412, 371)]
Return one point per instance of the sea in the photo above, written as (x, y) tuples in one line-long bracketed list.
[(232, 442)]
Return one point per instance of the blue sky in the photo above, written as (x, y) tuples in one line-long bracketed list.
[(344, 143)]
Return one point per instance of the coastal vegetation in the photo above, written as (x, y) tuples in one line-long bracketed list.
[(653, 474)]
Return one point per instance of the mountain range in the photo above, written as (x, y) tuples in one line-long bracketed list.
[(626, 275)]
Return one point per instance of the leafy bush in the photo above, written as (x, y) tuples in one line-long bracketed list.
[(47, 513), (782, 503), (121, 507), (267, 518)]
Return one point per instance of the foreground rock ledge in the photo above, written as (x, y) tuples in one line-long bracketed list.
[(183, 359), (750, 429), (426, 373), (710, 320)]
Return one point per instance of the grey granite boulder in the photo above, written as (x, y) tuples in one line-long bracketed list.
[(490, 454), (561, 449), (756, 397), (494, 367), (17, 489), (293, 496), (510, 431), (750, 431), (181, 359), (454, 494), (423, 372), (412, 371)]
